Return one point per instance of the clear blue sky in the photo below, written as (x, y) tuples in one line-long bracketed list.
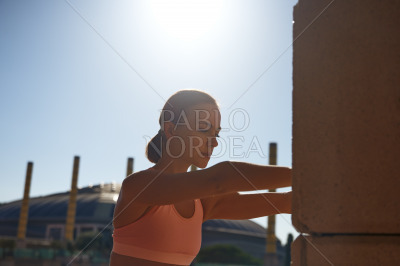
[(93, 84)]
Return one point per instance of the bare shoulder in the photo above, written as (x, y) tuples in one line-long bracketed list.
[(155, 187), (139, 177), (134, 184), (127, 209)]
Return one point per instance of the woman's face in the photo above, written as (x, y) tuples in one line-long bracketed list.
[(194, 135)]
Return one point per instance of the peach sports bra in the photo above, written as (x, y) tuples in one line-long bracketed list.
[(162, 235)]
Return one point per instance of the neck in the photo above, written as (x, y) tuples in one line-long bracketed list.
[(169, 165)]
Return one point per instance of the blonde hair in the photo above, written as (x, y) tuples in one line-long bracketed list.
[(181, 100)]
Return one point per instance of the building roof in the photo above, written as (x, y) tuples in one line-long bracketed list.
[(95, 204)]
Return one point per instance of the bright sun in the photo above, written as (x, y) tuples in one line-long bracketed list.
[(187, 20)]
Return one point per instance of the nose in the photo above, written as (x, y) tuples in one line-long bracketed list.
[(214, 142)]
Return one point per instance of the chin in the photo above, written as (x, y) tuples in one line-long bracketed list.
[(202, 163), (202, 166)]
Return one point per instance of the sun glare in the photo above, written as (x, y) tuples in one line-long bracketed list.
[(187, 20)]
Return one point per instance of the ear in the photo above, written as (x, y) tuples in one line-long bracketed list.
[(169, 129)]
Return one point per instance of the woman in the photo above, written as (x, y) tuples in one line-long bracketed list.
[(160, 210)]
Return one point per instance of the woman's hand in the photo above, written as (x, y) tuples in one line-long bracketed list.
[(288, 202)]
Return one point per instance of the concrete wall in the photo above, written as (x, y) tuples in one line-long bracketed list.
[(346, 126), (346, 250)]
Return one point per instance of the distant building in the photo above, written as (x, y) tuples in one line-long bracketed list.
[(94, 212)]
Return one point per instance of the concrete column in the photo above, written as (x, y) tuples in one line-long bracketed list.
[(271, 257), (129, 167), (346, 250), (346, 132), (70, 223), (24, 213)]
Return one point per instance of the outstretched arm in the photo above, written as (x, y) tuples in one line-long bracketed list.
[(247, 176), (237, 206), (157, 188)]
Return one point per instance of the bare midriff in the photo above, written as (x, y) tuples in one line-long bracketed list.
[(121, 260)]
